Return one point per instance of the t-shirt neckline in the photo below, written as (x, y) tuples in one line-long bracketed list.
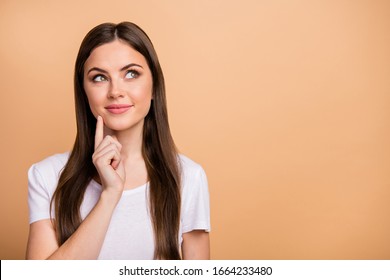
[(126, 191)]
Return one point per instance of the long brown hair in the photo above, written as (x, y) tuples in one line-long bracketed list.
[(158, 148)]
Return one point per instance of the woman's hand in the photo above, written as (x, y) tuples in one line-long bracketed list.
[(107, 160)]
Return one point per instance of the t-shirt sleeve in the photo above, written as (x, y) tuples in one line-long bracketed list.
[(38, 196), (196, 203)]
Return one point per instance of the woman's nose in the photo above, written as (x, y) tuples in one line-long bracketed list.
[(115, 90)]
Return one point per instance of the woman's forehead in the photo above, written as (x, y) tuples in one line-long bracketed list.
[(114, 55)]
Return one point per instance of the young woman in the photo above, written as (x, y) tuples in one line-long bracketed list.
[(123, 192)]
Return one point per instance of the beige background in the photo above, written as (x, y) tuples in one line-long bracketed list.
[(286, 104)]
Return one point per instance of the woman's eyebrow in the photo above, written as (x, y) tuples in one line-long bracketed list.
[(122, 69), (130, 65), (97, 69)]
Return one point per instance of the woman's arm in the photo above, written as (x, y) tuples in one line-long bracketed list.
[(196, 245), (84, 243), (87, 240)]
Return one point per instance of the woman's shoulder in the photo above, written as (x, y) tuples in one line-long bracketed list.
[(43, 176), (54, 163), (192, 172), (188, 165)]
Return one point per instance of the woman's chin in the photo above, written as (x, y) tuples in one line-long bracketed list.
[(119, 126)]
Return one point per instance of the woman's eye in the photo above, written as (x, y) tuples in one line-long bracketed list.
[(99, 78), (132, 74)]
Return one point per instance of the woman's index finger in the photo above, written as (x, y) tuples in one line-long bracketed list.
[(99, 133)]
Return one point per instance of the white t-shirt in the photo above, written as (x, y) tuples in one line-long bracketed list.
[(130, 233)]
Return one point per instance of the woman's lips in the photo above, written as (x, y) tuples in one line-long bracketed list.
[(118, 108)]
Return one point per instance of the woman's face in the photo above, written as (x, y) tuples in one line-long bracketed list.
[(118, 84)]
